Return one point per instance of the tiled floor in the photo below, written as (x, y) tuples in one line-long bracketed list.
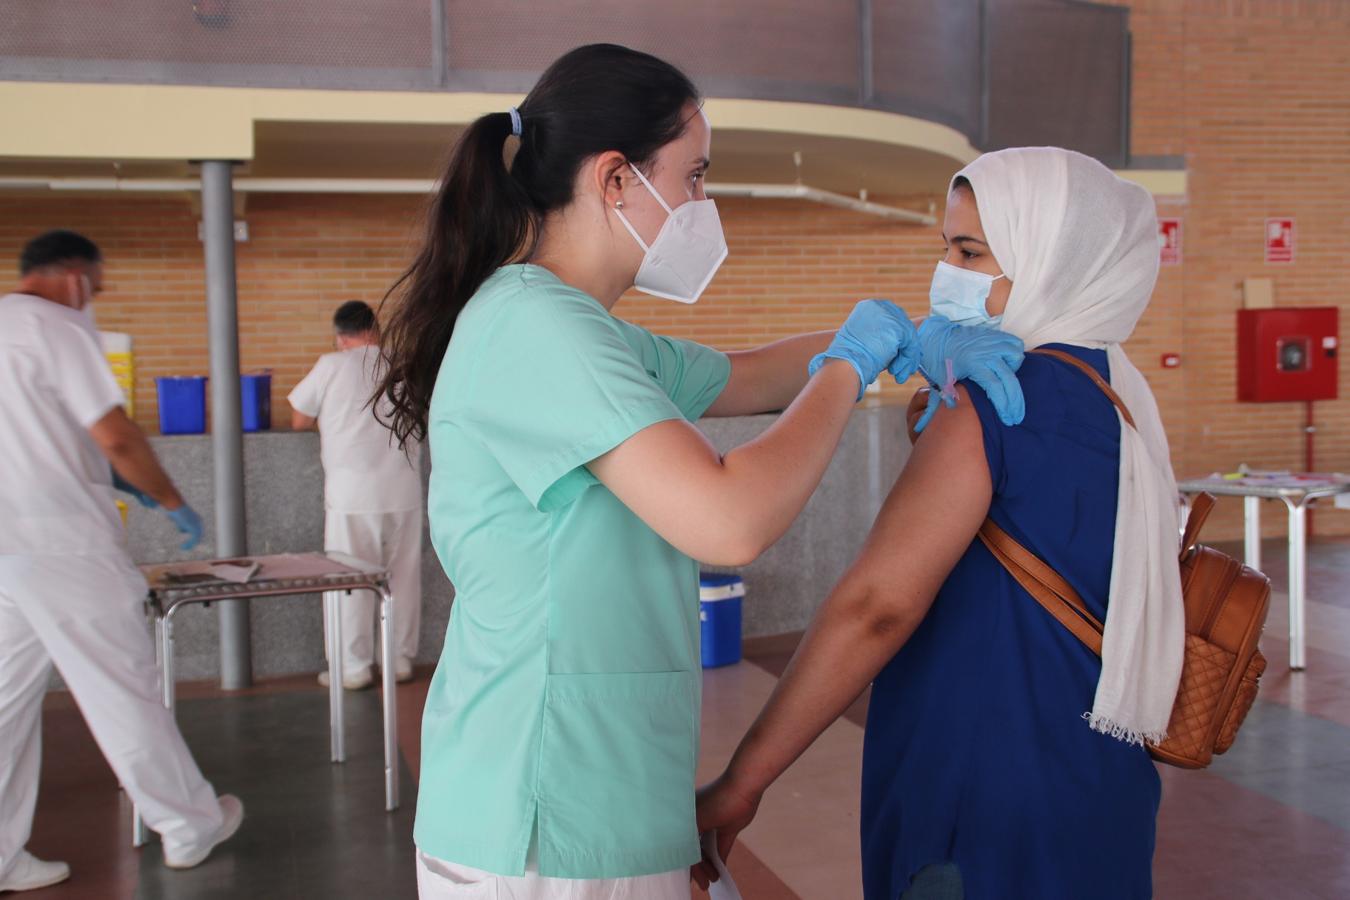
[(1271, 819)]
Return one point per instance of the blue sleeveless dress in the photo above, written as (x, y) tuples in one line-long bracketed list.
[(976, 753)]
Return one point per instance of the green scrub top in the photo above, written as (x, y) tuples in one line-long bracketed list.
[(568, 691)]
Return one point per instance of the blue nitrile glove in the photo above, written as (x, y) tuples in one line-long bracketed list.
[(127, 487), (949, 353), (188, 522), (875, 336)]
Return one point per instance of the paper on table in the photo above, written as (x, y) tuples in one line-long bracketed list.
[(724, 888), (236, 573)]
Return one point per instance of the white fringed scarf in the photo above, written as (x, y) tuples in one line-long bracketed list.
[(1080, 247)]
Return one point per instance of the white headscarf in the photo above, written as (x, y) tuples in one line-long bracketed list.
[(1080, 247)]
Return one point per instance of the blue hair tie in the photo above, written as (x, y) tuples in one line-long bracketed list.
[(515, 121)]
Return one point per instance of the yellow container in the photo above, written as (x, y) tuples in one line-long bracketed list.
[(117, 348)]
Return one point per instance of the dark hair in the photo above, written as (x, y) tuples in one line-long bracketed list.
[(354, 317), (594, 99), (57, 247)]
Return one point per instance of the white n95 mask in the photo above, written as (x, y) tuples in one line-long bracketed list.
[(960, 295), (686, 253)]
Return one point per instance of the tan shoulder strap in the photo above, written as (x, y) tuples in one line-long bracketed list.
[(1200, 509), (1043, 583), (1090, 372)]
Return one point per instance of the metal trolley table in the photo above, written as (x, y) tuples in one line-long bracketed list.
[(175, 585), (1297, 491)]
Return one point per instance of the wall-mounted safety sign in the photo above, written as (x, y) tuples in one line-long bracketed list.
[(1279, 240), (1169, 240)]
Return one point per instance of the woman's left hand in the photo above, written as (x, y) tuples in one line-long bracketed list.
[(727, 808), (987, 356)]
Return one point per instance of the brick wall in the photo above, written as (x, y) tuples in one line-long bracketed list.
[(794, 267), (306, 254), (1255, 94)]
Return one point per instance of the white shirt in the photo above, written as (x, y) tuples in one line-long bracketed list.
[(56, 492), (364, 470)]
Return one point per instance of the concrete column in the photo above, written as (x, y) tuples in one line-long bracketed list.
[(227, 441)]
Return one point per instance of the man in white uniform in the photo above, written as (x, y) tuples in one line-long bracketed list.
[(372, 491), (69, 593)]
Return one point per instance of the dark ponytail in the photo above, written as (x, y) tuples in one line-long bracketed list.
[(594, 99)]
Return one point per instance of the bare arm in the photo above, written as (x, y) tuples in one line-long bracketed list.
[(302, 422), (927, 523), (727, 510), (125, 446), (768, 378)]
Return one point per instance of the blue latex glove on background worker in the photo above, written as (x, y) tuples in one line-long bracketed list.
[(184, 518), (187, 521), (877, 336), (950, 353)]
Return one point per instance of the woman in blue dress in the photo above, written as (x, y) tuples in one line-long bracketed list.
[(1002, 758)]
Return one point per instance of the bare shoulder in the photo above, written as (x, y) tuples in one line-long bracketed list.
[(951, 427)]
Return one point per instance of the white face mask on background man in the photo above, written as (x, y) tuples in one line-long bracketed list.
[(686, 253), (81, 295), (961, 295)]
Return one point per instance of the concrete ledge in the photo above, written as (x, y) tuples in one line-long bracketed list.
[(284, 508)]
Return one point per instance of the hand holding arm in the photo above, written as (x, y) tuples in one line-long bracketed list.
[(987, 356)]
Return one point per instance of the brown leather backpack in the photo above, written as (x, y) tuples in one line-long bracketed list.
[(1226, 605)]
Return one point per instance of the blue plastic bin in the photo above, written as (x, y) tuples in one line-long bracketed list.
[(719, 614), (182, 404), (255, 393)]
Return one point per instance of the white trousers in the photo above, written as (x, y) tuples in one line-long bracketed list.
[(394, 541), (441, 880), (86, 614)]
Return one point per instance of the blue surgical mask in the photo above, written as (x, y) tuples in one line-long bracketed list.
[(960, 295)]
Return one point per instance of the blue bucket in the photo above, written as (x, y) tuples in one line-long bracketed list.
[(182, 404), (255, 393), (719, 614)]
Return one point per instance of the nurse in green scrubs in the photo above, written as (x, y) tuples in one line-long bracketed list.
[(570, 492)]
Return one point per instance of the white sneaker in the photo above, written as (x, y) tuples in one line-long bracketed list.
[(195, 854), (30, 873), (352, 681), (403, 670)]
